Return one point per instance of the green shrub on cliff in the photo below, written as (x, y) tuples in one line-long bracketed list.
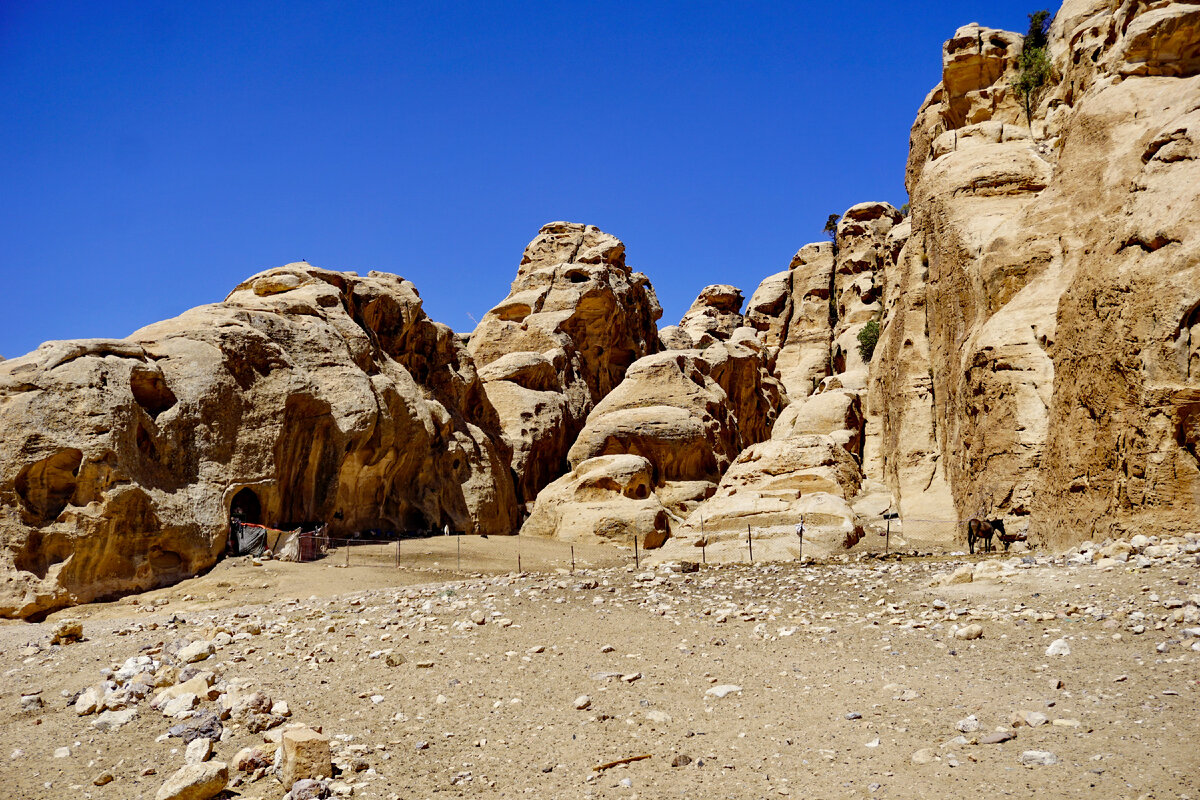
[(1033, 65), (868, 337)]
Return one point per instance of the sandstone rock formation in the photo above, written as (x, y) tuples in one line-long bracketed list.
[(1055, 263), (306, 396), (714, 316), (1039, 360), (575, 319), (687, 414)]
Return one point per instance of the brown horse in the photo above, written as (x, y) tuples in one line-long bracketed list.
[(984, 529)]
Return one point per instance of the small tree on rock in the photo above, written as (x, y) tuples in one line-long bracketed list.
[(1033, 65), (868, 337)]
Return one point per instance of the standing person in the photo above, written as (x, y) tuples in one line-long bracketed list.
[(800, 536)]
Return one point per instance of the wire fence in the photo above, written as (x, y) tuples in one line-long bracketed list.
[(477, 554)]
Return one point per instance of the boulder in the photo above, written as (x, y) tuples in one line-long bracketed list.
[(305, 754), (195, 782)]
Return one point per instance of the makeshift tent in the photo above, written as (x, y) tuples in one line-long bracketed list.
[(299, 545)]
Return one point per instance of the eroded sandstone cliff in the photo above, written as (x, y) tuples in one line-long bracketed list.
[(330, 397)]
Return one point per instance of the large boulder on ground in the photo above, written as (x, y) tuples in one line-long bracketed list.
[(308, 396), (574, 320), (608, 499)]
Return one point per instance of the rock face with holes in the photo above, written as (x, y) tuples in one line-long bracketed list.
[(714, 316), (682, 416), (574, 320), (306, 396), (1039, 350)]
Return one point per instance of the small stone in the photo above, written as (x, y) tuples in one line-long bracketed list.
[(198, 751), (111, 720), (873, 743), (723, 690), (478, 617), (997, 737), (631, 677), (180, 705), (309, 789), (1059, 647), (249, 759), (1035, 718), (103, 779), (658, 717), (67, 631), (852, 715), (967, 725), (281, 709), (196, 651), (681, 760), (62, 752), (973, 631), (1067, 723), (924, 756), (1041, 758), (394, 659), (195, 782), (582, 702), (32, 702)]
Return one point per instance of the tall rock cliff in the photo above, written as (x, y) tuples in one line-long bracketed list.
[(327, 396), (1056, 263)]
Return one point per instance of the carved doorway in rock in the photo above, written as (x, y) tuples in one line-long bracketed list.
[(246, 507)]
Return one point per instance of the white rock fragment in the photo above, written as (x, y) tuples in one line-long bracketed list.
[(1059, 647)]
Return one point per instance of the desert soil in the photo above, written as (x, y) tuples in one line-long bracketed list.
[(848, 680)]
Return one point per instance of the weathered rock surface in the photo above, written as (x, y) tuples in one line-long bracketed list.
[(687, 414), (1054, 264), (574, 320), (306, 396), (713, 317)]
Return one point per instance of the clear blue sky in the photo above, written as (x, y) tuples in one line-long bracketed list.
[(152, 155)]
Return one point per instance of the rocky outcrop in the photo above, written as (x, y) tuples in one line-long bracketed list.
[(1054, 263), (811, 469), (306, 396), (687, 414), (713, 317), (574, 320), (794, 315)]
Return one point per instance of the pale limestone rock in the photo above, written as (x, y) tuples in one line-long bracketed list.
[(305, 754), (195, 782)]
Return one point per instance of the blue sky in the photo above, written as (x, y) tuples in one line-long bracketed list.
[(152, 155)]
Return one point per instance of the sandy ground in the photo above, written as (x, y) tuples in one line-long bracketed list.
[(844, 672)]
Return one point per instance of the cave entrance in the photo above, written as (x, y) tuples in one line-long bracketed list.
[(246, 507)]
